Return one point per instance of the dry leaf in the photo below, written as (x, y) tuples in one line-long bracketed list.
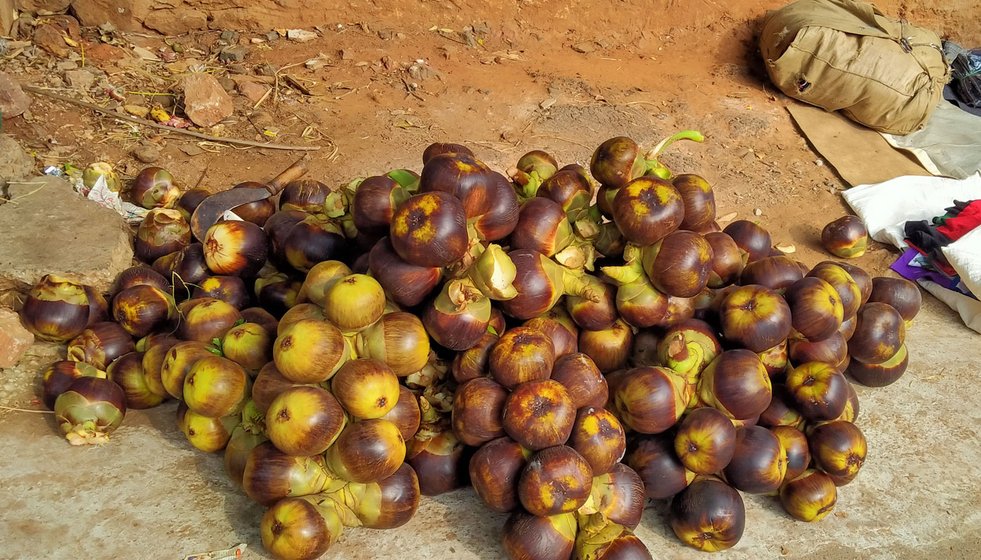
[(159, 115), (727, 218)]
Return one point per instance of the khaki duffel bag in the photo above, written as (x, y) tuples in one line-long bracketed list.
[(846, 55)]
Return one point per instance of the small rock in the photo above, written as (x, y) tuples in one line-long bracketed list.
[(265, 70), (137, 110), (49, 38), (66, 65), (237, 69), (757, 211), (164, 101), (421, 71), (147, 153), (318, 62), (229, 37), (584, 47), (13, 100), (385, 34), (103, 53), (227, 83), (232, 54), (191, 150), (80, 79), (14, 339), (205, 101), (347, 54), (146, 54), (15, 164), (300, 35), (185, 65), (252, 91), (262, 118), (272, 36)]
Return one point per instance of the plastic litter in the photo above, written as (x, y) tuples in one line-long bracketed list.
[(96, 183)]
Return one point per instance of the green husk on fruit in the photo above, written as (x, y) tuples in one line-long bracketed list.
[(493, 273), (56, 309), (599, 539), (89, 410), (688, 348)]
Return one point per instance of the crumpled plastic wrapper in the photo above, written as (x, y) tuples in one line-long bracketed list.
[(98, 183)]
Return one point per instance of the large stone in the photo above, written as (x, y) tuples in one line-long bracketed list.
[(49, 38), (177, 21), (47, 228), (43, 6), (126, 16), (13, 100), (14, 338), (205, 101), (15, 164), (6, 18)]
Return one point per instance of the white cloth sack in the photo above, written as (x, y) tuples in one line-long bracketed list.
[(968, 308), (886, 207), (964, 255)]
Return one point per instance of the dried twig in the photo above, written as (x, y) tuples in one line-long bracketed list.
[(278, 72), (570, 141), (25, 195), (128, 118), (17, 409), (295, 84), (260, 101)]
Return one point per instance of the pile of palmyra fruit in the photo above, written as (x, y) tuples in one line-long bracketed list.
[(570, 342)]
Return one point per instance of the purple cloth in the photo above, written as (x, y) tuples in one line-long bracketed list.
[(913, 266)]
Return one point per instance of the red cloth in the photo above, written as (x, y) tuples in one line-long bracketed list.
[(967, 219)]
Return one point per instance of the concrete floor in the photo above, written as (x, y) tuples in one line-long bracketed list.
[(148, 494)]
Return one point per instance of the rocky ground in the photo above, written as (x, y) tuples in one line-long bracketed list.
[(368, 87)]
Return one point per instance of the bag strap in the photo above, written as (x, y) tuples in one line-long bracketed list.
[(909, 46)]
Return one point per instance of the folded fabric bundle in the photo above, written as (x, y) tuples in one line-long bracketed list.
[(960, 219), (912, 265), (930, 237)]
